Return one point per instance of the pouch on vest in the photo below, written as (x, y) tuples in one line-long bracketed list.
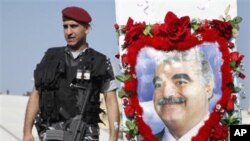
[(49, 106), (46, 81), (46, 74)]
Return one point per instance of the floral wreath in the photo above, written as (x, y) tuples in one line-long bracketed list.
[(181, 34)]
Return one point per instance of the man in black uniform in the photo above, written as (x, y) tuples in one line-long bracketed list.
[(63, 79)]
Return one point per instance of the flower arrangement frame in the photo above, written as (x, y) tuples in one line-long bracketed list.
[(181, 34)]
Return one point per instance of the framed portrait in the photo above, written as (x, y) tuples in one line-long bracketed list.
[(148, 58), (181, 65)]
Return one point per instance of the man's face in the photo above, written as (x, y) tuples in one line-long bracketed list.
[(183, 82), (74, 33)]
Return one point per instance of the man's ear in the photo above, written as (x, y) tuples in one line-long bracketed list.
[(210, 89), (88, 29)]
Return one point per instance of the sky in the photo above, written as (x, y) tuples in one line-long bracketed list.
[(29, 27)]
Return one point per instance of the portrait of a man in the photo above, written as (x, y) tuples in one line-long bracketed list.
[(178, 89), (183, 85)]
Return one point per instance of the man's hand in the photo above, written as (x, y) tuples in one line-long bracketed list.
[(28, 137)]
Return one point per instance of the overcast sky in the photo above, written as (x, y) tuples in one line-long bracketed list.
[(29, 27)]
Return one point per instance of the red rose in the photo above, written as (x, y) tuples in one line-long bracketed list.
[(236, 56), (220, 132), (129, 24), (234, 97), (116, 26), (231, 45), (242, 76), (130, 86), (199, 138), (124, 30), (176, 29), (224, 28), (125, 101), (125, 59), (129, 111), (117, 56), (156, 29), (134, 32), (230, 105), (204, 26), (128, 136)]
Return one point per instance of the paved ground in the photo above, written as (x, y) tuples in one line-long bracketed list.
[(12, 109)]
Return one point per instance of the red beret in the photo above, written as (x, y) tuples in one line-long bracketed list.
[(76, 13)]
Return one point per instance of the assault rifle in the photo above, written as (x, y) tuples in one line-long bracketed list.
[(78, 127)]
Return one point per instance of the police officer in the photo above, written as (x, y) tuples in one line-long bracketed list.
[(63, 78)]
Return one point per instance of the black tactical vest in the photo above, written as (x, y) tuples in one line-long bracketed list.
[(53, 76)]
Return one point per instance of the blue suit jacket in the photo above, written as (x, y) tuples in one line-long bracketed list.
[(159, 135)]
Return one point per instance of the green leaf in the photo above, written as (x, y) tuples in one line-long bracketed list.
[(236, 89), (130, 124), (117, 33), (123, 78), (122, 94), (237, 20), (233, 120), (233, 64), (236, 26), (195, 27), (135, 131), (147, 30), (122, 46)]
